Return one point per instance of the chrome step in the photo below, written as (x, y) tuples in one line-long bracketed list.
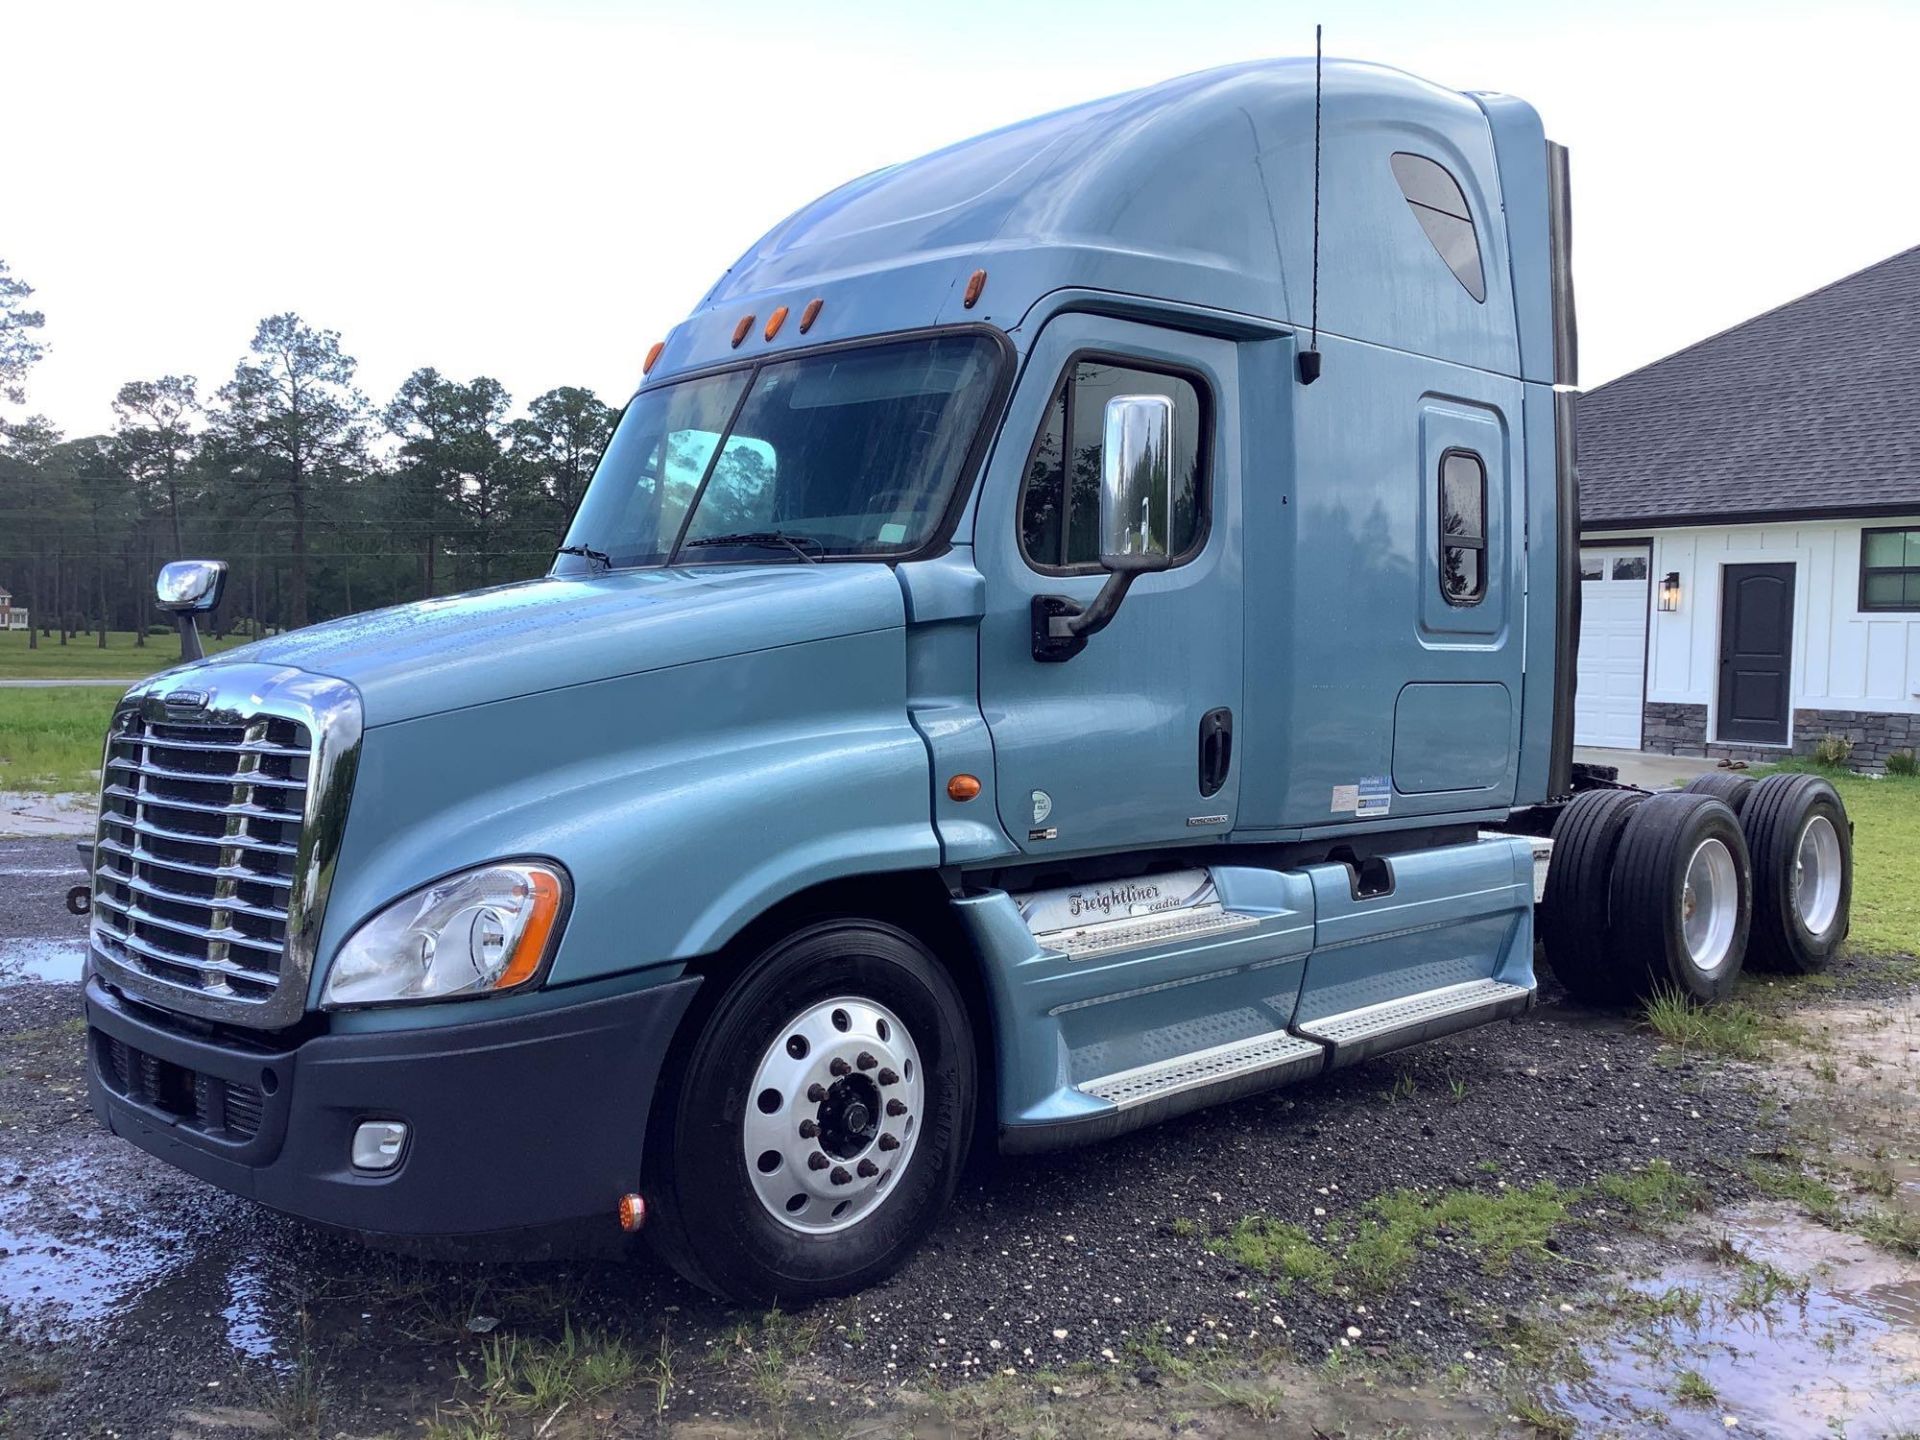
[(1098, 919), (1356, 1034), (1263, 1060)]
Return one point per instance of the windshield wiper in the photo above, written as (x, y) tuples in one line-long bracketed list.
[(766, 540), (599, 557)]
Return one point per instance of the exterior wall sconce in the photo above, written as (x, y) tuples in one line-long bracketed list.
[(1670, 592)]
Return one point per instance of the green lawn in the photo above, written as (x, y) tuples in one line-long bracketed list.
[(82, 658), (50, 739)]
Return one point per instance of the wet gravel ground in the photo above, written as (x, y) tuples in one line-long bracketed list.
[(129, 1291)]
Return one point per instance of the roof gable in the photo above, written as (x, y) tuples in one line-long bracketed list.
[(1810, 408)]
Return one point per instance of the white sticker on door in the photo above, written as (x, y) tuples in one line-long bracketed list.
[(1346, 799), (1375, 796)]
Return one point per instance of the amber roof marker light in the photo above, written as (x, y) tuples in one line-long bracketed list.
[(809, 315), (774, 322), (740, 330), (653, 354), (976, 282)]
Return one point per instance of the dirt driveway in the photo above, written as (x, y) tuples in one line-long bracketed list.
[(1564, 1225)]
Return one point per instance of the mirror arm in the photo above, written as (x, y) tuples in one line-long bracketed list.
[(190, 647), (1062, 626), (1097, 616)]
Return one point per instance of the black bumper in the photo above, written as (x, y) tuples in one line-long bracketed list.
[(514, 1123)]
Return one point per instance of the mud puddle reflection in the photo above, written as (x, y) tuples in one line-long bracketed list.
[(56, 961)]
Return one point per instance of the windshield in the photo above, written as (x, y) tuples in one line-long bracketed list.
[(849, 452)]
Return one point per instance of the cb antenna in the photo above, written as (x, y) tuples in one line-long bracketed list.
[(1310, 357)]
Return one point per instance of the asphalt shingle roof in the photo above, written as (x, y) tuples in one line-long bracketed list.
[(1812, 408)]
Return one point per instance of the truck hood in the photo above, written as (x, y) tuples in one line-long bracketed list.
[(544, 635)]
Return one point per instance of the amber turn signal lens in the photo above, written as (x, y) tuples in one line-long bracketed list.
[(740, 330), (963, 787), (976, 282), (809, 315), (653, 354), (633, 1212), (774, 322), (533, 940)]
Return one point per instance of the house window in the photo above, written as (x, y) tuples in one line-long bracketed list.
[(1890, 570), (1437, 203), (1630, 567), (1060, 501), (1463, 528)]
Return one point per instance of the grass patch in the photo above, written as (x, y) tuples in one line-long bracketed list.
[(537, 1379), (1285, 1254), (1656, 1191), (83, 658), (51, 739), (1690, 1387), (1395, 1228), (1734, 1029), (1794, 1184), (1886, 857)]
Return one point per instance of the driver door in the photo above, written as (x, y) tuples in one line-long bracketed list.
[(1120, 746)]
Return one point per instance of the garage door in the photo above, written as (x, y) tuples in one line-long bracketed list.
[(1613, 647)]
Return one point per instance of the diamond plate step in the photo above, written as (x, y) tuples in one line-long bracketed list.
[(1356, 1034), (1243, 1065)]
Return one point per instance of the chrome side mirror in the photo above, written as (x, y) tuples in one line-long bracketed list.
[(1136, 482), (1136, 522), (189, 588)]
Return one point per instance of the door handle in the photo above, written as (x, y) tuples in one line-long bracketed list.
[(1216, 749)]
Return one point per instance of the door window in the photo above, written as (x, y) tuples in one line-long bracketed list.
[(1463, 528), (1060, 498)]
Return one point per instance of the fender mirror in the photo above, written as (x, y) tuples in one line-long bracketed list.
[(188, 588), (1136, 518)]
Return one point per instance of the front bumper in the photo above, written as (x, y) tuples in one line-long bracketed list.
[(515, 1123)]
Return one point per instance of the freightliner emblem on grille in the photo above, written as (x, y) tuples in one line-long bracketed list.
[(185, 700)]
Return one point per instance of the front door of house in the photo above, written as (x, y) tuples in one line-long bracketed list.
[(1756, 653)]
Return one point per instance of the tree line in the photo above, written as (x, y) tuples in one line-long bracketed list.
[(321, 501)]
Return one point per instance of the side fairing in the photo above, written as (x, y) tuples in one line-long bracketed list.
[(682, 801)]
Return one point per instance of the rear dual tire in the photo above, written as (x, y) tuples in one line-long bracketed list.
[(1802, 847), (1644, 893)]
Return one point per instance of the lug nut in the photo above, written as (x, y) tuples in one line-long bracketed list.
[(839, 1068), (896, 1108), (816, 1092), (808, 1129), (889, 1142), (817, 1161), (866, 1060), (840, 1176), (887, 1077), (868, 1169)]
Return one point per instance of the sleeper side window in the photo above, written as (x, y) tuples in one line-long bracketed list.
[(1440, 207), (1060, 494), (1463, 528)]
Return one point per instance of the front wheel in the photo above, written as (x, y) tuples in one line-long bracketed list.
[(819, 1126)]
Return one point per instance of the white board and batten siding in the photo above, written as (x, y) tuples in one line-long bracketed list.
[(1843, 658)]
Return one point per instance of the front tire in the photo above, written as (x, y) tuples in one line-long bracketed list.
[(819, 1125)]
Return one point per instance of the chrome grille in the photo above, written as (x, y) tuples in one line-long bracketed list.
[(199, 830), (221, 811)]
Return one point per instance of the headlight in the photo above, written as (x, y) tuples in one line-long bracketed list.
[(475, 933)]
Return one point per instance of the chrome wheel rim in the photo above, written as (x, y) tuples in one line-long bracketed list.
[(1710, 905), (1816, 875), (833, 1116)]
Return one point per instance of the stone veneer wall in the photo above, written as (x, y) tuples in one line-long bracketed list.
[(1682, 730)]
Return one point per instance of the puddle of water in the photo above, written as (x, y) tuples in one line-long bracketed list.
[(60, 961), (58, 1277), (1837, 1351)]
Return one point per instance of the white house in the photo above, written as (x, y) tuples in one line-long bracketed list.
[(12, 617), (1750, 534)]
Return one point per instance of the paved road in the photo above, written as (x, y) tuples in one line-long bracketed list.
[(103, 682)]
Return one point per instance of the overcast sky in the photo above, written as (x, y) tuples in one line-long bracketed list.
[(536, 192)]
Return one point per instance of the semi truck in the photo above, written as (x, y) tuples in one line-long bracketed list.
[(1073, 628)]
